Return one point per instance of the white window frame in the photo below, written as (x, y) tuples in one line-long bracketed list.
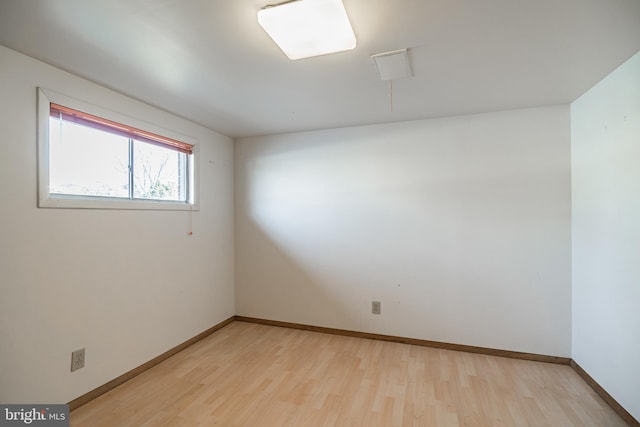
[(48, 200)]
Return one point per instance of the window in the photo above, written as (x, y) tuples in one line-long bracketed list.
[(93, 158)]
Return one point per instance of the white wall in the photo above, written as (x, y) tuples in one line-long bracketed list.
[(94, 278), (459, 226), (605, 141)]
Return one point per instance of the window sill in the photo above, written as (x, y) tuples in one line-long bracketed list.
[(84, 202)]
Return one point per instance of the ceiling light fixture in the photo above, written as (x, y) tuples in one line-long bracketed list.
[(306, 28)]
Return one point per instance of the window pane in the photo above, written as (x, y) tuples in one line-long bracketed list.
[(86, 161), (158, 173)]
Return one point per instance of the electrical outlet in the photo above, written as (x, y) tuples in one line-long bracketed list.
[(375, 307), (77, 359)]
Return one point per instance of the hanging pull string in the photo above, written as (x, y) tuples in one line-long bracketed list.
[(190, 233), (391, 94)]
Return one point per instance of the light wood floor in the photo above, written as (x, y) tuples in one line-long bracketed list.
[(255, 375)]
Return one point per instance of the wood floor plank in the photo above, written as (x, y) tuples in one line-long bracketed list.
[(249, 374)]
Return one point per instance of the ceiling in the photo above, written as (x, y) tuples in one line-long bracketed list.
[(210, 61)]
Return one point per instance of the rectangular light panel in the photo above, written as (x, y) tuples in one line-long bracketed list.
[(305, 28)]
